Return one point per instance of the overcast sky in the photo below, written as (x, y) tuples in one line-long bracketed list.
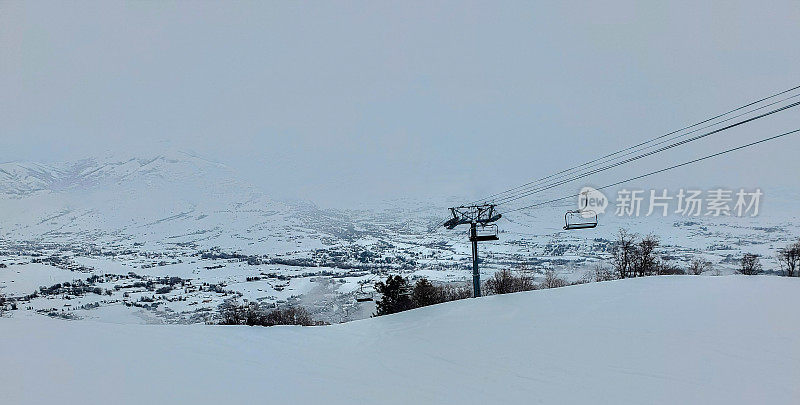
[(341, 101)]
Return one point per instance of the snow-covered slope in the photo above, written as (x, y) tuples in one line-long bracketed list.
[(658, 340)]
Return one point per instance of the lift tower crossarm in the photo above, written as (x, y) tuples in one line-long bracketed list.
[(475, 215), (468, 214)]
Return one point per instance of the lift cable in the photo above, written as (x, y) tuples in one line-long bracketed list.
[(636, 146), (664, 148), (555, 177), (659, 171)]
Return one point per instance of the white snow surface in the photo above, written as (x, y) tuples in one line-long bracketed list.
[(656, 340)]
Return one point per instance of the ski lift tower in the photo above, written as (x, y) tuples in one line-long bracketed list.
[(481, 228)]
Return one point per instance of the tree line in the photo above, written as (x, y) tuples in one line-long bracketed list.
[(253, 314), (631, 256), (400, 294), (634, 256)]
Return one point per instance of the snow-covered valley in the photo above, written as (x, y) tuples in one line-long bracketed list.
[(167, 239)]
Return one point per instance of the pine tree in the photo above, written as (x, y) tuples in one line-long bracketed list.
[(395, 296), (426, 294)]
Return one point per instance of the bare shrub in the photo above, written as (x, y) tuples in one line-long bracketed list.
[(750, 264), (231, 313), (505, 282), (665, 268), (453, 293), (603, 273), (698, 266), (645, 262), (289, 316), (638, 259), (623, 254), (587, 277), (551, 280), (789, 260), (253, 314)]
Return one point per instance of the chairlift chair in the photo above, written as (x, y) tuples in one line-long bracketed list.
[(484, 232), (580, 219), (362, 295)]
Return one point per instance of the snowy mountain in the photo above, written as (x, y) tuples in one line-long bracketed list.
[(168, 199), (655, 340)]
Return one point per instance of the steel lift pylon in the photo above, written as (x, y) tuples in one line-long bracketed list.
[(480, 219)]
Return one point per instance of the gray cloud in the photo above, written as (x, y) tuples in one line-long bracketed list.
[(368, 100)]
